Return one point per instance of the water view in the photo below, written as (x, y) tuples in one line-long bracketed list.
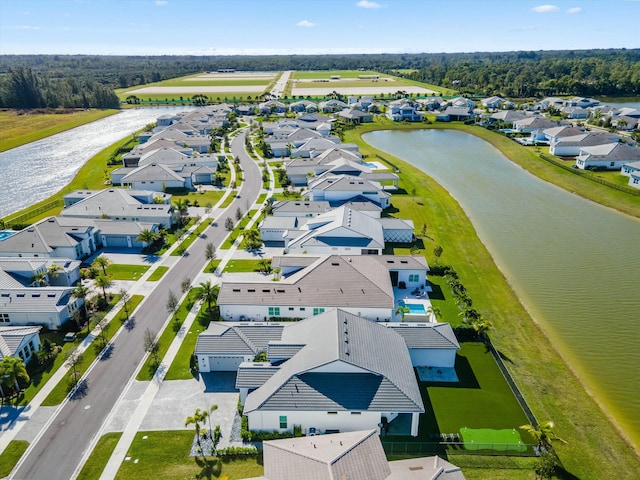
[(573, 263), (35, 171)]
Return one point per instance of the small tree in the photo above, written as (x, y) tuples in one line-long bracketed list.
[(101, 262), (13, 369), (185, 285), (103, 334), (402, 310), (208, 293), (437, 251), (74, 361), (152, 346), (103, 282), (238, 214), (124, 301), (172, 303), (210, 251), (228, 224)]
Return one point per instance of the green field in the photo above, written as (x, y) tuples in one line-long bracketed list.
[(487, 438), (321, 74)]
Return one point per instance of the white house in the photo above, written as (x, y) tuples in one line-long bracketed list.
[(429, 344), (535, 122), (336, 372), (340, 188), (404, 109), (611, 156), (634, 179), (19, 342), (570, 146), (361, 284), (629, 168), (61, 272)]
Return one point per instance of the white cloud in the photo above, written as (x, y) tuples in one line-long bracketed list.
[(161, 3), (368, 4), (574, 10), (545, 9), (305, 23)]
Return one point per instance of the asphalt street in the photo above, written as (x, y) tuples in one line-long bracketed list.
[(62, 444)]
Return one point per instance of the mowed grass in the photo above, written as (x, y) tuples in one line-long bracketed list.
[(158, 273), (118, 271), (19, 129), (165, 454), (100, 456), (242, 266), (549, 385), (326, 74), (61, 390), (11, 456), (180, 368)]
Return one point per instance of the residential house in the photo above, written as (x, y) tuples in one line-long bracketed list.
[(339, 188), (575, 113), (19, 342), (355, 116), (634, 179), (455, 114), (404, 109), (570, 146), (430, 344), (331, 106), (496, 102), (360, 284), (534, 122), (121, 205), (347, 455), (271, 107), (629, 168), (159, 178), (315, 146), (581, 102), (305, 106), (334, 372), (462, 102), (23, 306), (61, 272), (611, 156), (299, 208), (54, 237), (505, 118)]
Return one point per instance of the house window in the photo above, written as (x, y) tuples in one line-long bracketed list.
[(274, 311), (318, 311), (4, 317), (332, 413), (612, 164), (356, 413), (414, 278), (283, 421), (291, 309)]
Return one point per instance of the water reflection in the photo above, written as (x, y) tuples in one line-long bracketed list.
[(35, 171)]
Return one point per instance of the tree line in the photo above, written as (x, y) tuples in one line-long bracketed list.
[(89, 80), (22, 87)]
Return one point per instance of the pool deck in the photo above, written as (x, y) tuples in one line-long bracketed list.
[(409, 297)]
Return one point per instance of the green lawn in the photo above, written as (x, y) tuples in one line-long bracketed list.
[(229, 199), (550, 387), (126, 272), (148, 370), (100, 456), (180, 368), (60, 391), (11, 456), (162, 454), (20, 129), (237, 231), (158, 273), (242, 265), (186, 243), (202, 198)]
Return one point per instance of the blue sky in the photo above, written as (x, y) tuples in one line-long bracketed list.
[(224, 27)]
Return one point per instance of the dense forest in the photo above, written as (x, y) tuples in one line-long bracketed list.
[(81, 80)]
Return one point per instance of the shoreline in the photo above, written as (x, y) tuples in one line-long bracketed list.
[(531, 383)]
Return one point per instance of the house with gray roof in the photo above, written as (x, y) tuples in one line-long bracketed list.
[(611, 156), (303, 106), (570, 146), (331, 106), (61, 272), (629, 168), (19, 341), (299, 208), (54, 237), (122, 205), (534, 122), (347, 455), (404, 109), (355, 116), (340, 188), (361, 284), (346, 373), (634, 179), (429, 344), (454, 114)]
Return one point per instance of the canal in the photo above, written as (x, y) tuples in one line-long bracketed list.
[(37, 170), (574, 264)]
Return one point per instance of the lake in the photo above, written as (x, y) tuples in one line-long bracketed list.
[(37, 170), (574, 264)]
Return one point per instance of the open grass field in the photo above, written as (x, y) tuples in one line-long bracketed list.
[(18, 128), (549, 385), (165, 454)]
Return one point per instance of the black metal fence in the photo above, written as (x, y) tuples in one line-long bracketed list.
[(421, 449), (25, 217)]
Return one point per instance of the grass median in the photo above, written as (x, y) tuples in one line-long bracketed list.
[(158, 273), (61, 390), (11, 455), (100, 456)]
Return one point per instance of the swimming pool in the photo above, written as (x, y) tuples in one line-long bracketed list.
[(5, 234), (414, 308)]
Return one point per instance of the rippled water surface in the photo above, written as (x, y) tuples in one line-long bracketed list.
[(35, 171), (572, 262)]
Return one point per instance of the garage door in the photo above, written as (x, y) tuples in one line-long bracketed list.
[(117, 241), (222, 363)]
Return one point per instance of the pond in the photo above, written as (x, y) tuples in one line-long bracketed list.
[(574, 264)]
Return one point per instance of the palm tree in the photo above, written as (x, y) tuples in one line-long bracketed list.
[(52, 271), (402, 310), (182, 207), (13, 369), (543, 434), (103, 282), (433, 312), (207, 293), (102, 262), (40, 279), (198, 417), (147, 236), (252, 237), (81, 292)]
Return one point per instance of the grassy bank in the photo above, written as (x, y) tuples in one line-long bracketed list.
[(550, 387), (18, 127)]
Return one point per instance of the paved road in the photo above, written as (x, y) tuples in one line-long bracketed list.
[(57, 453)]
